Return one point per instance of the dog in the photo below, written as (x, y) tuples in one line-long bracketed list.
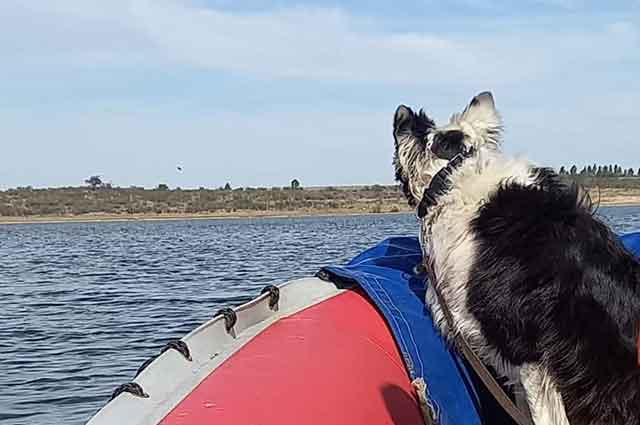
[(541, 290)]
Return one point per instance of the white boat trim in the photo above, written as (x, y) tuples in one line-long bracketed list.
[(171, 377)]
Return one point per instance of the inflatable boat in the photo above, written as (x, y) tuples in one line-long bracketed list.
[(352, 345)]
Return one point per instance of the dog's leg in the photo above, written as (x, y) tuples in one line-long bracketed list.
[(545, 402)]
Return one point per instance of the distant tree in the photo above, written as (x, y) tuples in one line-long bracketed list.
[(295, 184), (227, 186), (638, 173), (562, 171), (610, 170), (574, 170), (163, 187), (630, 172), (589, 170), (94, 181), (599, 172), (583, 171)]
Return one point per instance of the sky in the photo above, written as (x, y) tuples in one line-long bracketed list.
[(259, 92)]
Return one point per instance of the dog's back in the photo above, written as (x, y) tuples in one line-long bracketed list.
[(552, 285)]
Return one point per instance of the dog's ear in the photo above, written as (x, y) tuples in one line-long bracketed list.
[(482, 114), (408, 123), (403, 121)]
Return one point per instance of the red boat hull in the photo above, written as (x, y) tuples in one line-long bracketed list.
[(333, 363)]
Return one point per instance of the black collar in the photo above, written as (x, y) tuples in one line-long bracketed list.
[(440, 183)]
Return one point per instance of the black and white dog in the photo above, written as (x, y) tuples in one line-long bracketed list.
[(540, 289)]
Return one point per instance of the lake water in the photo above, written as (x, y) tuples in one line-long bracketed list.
[(82, 305)]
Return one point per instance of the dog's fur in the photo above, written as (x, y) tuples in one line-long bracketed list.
[(541, 290)]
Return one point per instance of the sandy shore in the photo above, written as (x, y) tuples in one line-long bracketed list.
[(88, 218), (614, 197)]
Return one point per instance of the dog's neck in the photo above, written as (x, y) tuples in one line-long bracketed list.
[(472, 182), (441, 183)]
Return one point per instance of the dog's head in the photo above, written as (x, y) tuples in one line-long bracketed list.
[(423, 149)]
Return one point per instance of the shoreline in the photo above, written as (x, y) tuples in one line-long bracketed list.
[(115, 218)]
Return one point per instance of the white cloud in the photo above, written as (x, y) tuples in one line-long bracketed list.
[(301, 43), (68, 32), (324, 44)]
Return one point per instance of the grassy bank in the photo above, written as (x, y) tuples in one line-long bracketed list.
[(109, 204), (137, 203)]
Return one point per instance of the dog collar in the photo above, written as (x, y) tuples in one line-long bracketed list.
[(440, 183)]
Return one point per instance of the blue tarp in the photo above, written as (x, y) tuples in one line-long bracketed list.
[(387, 274)]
